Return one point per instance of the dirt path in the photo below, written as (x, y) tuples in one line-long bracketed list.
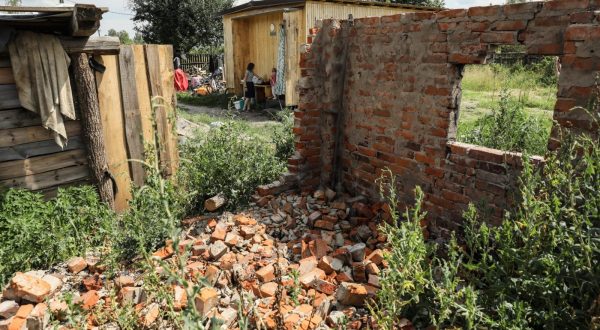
[(257, 117)]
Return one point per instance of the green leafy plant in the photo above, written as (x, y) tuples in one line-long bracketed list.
[(283, 136), (36, 233), (539, 269), (507, 127), (228, 161)]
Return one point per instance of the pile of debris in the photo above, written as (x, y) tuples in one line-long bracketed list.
[(288, 262)]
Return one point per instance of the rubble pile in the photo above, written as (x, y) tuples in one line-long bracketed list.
[(288, 262)]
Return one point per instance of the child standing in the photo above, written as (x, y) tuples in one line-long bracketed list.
[(250, 92)]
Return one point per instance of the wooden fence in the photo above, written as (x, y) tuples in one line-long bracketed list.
[(134, 79), (205, 62)]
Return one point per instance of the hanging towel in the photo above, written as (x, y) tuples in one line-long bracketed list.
[(41, 70), (280, 83)]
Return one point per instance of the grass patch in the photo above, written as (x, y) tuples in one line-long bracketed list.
[(212, 100)]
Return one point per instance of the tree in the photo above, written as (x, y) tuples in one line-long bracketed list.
[(123, 36), (13, 3), (428, 3), (183, 23)]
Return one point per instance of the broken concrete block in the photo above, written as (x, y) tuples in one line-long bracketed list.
[(354, 294), (358, 251), (330, 264), (39, 317), (268, 289), (206, 300), (266, 274), (76, 265), (217, 250)]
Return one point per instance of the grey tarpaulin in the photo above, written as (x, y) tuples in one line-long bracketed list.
[(280, 84), (41, 70)]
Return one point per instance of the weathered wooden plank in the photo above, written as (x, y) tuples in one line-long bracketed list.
[(133, 120), (144, 96), (48, 179), (41, 148), (6, 76), (14, 136), (92, 45), (37, 165), (16, 118), (9, 99), (111, 113), (160, 77)]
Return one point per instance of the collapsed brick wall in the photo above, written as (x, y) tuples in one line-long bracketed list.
[(385, 92)]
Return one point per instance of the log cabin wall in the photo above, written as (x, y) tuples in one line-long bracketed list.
[(29, 157)]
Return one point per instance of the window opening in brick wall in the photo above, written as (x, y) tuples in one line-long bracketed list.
[(509, 103)]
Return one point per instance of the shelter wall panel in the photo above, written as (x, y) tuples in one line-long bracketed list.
[(22, 135), (229, 66), (318, 10), (295, 34), (6, 76), (37, 165), (15, 118), (240, 52), (111, 112), (41, 148), (9, 99), (48, 179)]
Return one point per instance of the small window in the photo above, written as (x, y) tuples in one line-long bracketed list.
[(509, 103)]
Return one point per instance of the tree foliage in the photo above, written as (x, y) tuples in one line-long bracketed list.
[(183, 23), (123, 36), (427, 3)]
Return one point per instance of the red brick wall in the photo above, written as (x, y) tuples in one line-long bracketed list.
[(385, 92)]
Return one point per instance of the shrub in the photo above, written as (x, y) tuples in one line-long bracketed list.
[(283, 136), (37, 234), (508, 127), (539, 269), (227, 161)]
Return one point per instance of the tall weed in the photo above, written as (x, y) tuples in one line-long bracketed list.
[(283, 136), (36, 233), (228, 161), (540, 269)]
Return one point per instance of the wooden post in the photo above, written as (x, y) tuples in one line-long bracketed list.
[(91, 123)]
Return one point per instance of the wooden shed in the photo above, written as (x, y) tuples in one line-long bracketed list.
[(250, 33), (112, 88)]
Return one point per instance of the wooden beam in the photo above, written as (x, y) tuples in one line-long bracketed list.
[(94, 45), (132, 115), (93, 134), (85, 20)]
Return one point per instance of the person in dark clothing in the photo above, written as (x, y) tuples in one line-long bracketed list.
[(249, 81)]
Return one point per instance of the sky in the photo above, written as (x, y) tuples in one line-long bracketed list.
[(119, 17)]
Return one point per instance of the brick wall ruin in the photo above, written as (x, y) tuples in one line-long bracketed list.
[(385, 92)]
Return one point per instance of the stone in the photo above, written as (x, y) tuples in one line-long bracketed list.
[(317, 248), (219, 233), (179, 298), (268, 289), (76, 265), (150, 314), (242, 220), (364, 232), (307, 278), (92, 283), (228, 316), (266, 274), (307, 265), (323, 286), (55, 283), (330, 264), (30, 288), (212, 274), (217, 250), (124, 281), (336, 318), (374, 281), (359, 272), (376, 257), (313, 217), (39, 317), (206, 300), (358, 252), (89, 299), (132, 295), (17, 323), (247, 231), (232, 239), (58, 308), (324, 224), (8, 309), (354, 294), (372, 269)]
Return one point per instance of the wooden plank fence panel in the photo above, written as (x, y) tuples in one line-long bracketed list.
[(111, 112), (133, 120), (160, 77), (144, 95), (37, 165)]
